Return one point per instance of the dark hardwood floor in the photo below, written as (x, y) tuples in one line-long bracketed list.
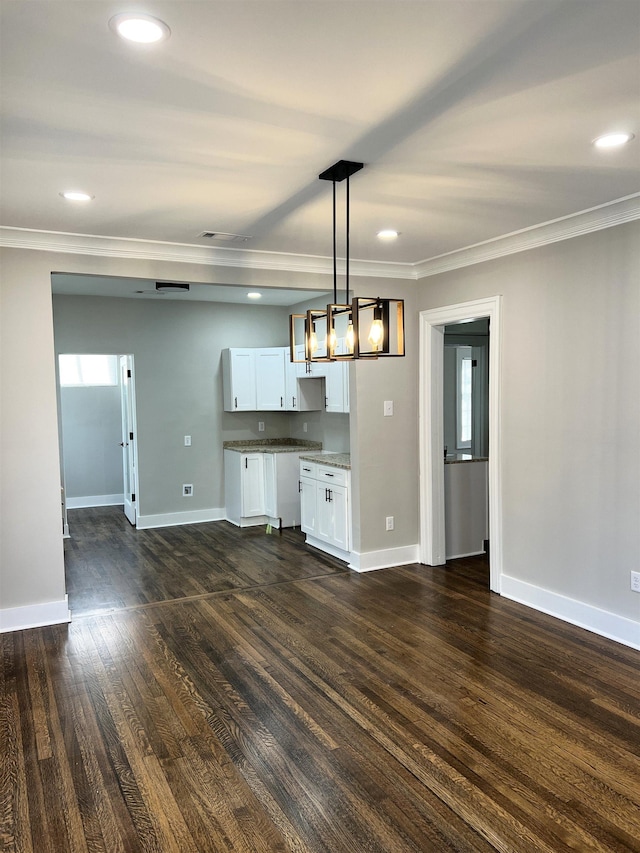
[(224, 690)]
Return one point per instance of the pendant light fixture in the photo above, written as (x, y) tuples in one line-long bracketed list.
[(363, 328)]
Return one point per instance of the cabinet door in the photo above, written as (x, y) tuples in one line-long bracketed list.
[(270, 485), (252, 473), (308, 510), (334, 387), (324, 513), (338, 498), (239, 380), (270, 390)]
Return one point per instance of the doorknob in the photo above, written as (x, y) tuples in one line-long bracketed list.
[(124, 444)]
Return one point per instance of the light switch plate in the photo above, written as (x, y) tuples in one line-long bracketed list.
[(388, 408)]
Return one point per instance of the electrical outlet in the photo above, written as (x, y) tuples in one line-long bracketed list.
[(260, 426), (390, 522), (304, 427), (635, 581), (388, 408), (187, 441), (187, 490)]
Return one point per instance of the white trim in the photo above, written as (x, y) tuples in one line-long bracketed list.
[(611, 213), (431, 430), (172, 519), (615, 212), (35, 615), (602, 622), (462, 556), (94, 500), (386, 558), (186, 253)]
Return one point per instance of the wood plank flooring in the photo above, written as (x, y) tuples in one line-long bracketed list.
[(262, 698)]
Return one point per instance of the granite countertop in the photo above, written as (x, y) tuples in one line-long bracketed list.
[(272, 445), (326, 457), (454, 458)]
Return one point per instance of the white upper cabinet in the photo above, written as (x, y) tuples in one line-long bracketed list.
[(337, 387), (270, 379), (239, 380), (266, 380)]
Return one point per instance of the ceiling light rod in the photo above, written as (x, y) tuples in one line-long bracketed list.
[(336, 174)]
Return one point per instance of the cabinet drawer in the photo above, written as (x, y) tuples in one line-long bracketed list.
[(308, 469), (329, 474)]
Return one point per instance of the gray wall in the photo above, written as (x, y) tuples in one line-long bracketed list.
[(177, 357), (177, 362), (91, 428), (570, 461)]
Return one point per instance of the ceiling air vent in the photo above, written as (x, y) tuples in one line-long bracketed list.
[(223, 237), (171, 287)]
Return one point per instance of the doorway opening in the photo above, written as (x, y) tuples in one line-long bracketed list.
[(97, 417), (432, 437)]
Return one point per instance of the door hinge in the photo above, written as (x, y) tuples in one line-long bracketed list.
[(133, 498), (130, 436), (474, 362), (128, 374)]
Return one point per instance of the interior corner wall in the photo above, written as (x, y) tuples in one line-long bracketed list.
[(570, 462), (31, 554)]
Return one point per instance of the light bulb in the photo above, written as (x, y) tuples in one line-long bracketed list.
[(332, 340), (350, 338), (376, 334), (313, 343)]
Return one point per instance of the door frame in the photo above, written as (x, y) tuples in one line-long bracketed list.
[(130, 485), (431, 382)]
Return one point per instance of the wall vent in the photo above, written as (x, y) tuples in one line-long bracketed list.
[(223, 237)]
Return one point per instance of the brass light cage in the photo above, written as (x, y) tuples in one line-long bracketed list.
[(366, 328)]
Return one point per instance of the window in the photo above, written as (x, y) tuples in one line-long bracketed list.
[(84, 370), (464, 382)]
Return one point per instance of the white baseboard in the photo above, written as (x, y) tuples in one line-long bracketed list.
[(94, 500), (602, 622), (35, 615), (172, 519), (462, 556), (371, 561)]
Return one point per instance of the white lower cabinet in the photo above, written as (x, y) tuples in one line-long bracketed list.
[(261, 488), (326, 508), (244, 488)]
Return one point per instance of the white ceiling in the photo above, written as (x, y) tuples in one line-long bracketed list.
[(474, 119)]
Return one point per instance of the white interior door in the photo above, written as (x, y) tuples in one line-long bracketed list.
[(128, 443)]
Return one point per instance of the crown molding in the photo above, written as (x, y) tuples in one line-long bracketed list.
[(587, 221), (607, 215), (185, 253)]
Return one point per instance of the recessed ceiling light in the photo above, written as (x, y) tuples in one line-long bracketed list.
[(75, 195), (387, 234), (612, 140), (254, 295), (142, 29)]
